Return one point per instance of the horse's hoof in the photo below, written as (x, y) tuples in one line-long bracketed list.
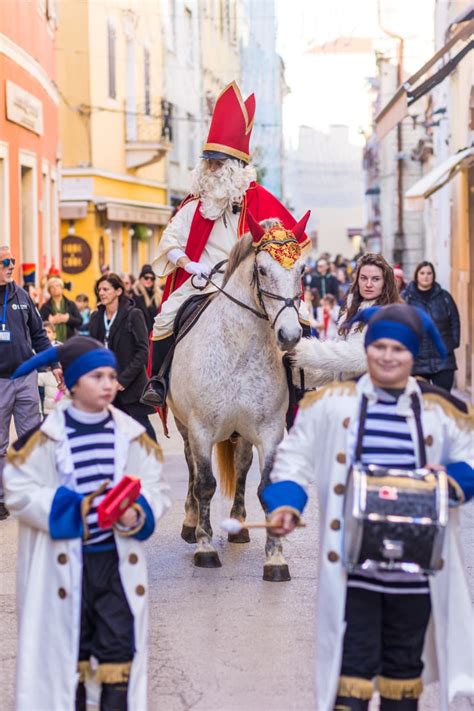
[(242, 536), (207, 559), (188, 534), (276, 573)]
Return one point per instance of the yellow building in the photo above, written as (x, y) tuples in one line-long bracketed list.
[(114, 137)]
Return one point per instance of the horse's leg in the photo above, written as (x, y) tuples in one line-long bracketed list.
[(242, 461), (275, 568), (204, 488), (188, 531)]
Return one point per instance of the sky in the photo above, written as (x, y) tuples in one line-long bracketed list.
[(330, 89)]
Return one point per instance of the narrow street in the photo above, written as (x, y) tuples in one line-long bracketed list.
[(220, 640)]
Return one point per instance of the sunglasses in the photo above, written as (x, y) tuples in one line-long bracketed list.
[(7, 262), (148, 277)]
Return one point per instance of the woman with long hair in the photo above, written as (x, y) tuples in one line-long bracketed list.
[(425, 292), (121, 327), (60, 311), (324, 361)]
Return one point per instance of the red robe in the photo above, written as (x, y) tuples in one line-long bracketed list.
[(257, 200)]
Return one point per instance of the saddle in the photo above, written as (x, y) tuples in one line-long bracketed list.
[(189, 314)]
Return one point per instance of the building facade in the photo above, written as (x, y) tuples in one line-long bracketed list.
[(29, 154), (324, 174), (114, 137)]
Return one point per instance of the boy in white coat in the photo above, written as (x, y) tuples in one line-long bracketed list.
[(373, 625), (86, 585)]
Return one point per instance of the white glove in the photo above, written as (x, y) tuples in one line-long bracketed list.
[(200, 270)]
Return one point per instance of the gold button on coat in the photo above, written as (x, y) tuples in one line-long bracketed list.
[(133, 558), (335, 524), (429, 440), (341, 458), (62, 559), (140, 590), (346, 422), (62, 593), (333, 557), (339, 489)]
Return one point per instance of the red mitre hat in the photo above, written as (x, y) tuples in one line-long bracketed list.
[(231, 124)]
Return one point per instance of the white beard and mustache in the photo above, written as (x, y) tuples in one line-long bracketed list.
[(218, 190)]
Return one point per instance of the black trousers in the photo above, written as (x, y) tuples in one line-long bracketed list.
[(444, 379), (385, 634), (106, 618), (140, 413)]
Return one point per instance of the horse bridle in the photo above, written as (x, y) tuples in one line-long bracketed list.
[(289, 302)]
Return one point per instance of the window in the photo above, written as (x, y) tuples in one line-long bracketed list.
[(146, 77), (191, 134), (111, 50), (28, 208), (131, 100), (54, 215), (188, 33), (46, 226)]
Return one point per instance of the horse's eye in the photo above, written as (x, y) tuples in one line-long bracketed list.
[(262, 271)]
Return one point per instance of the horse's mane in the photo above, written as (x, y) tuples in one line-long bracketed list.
[(244, 248)]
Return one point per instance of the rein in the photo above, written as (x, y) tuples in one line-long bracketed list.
[(288, 302)]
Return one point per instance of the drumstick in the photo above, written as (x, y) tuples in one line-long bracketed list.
[(234, 526)]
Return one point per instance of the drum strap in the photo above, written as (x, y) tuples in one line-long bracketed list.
[(415, 404), (360, 434)]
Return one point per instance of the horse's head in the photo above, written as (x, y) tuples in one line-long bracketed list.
[(279, 266)]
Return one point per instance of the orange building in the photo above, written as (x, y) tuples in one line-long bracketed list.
[(29, 102)]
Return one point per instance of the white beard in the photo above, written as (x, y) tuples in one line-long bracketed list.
[(218, 190)]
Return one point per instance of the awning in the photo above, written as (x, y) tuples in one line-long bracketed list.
[(397, 108), (145, 213), (436, 178)]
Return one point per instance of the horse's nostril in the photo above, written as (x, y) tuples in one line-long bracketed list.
[(281, 335)]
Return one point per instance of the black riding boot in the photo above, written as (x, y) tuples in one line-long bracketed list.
[(349, 703), (81, 697), (114, 697), (398, 705), (156, 389)]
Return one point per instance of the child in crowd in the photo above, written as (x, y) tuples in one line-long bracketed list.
[(326, 319), (82, 303), (47, 384), (82, 590)]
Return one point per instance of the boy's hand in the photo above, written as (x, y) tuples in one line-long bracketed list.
[(282, 522), (129, 518)]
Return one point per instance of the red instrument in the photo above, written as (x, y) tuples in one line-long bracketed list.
[(118, 500)]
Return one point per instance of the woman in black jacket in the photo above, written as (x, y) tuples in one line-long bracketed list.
[(60, 311), (121, 327), (425, 292)]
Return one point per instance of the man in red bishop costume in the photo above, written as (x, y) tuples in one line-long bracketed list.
[(213, 217)]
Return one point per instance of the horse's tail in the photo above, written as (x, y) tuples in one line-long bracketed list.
[(226, 467)]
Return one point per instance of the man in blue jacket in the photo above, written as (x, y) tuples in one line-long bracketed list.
[(21, 335)]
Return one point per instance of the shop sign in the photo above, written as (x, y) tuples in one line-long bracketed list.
[(23, 108), (76, 254)]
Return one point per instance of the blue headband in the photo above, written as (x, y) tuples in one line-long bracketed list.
[(84, 363), (398, 330), (99, 358)]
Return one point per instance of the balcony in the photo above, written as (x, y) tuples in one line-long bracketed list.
[(146, 142)]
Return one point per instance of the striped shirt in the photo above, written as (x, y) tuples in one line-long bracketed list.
[(91, 440), (387, 442)]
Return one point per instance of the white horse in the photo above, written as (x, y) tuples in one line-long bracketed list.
[(228, 385)]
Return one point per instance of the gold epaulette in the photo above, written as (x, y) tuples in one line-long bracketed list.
[(347, 387), (150, 446), (18, 456), (464, 420)]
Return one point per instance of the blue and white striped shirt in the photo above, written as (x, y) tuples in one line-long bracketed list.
[(91, 439)]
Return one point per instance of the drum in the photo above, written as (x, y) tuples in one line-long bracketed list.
[(394, 519)]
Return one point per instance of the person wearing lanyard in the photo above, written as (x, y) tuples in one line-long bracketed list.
[(121, 327), (374, 624), (21, 334)]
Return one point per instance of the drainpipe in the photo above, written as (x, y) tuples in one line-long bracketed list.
[(399, 245)]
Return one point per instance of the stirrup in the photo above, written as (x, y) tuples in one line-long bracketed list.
[(155, 392)]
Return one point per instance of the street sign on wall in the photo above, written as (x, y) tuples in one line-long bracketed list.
[(76, 254)]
